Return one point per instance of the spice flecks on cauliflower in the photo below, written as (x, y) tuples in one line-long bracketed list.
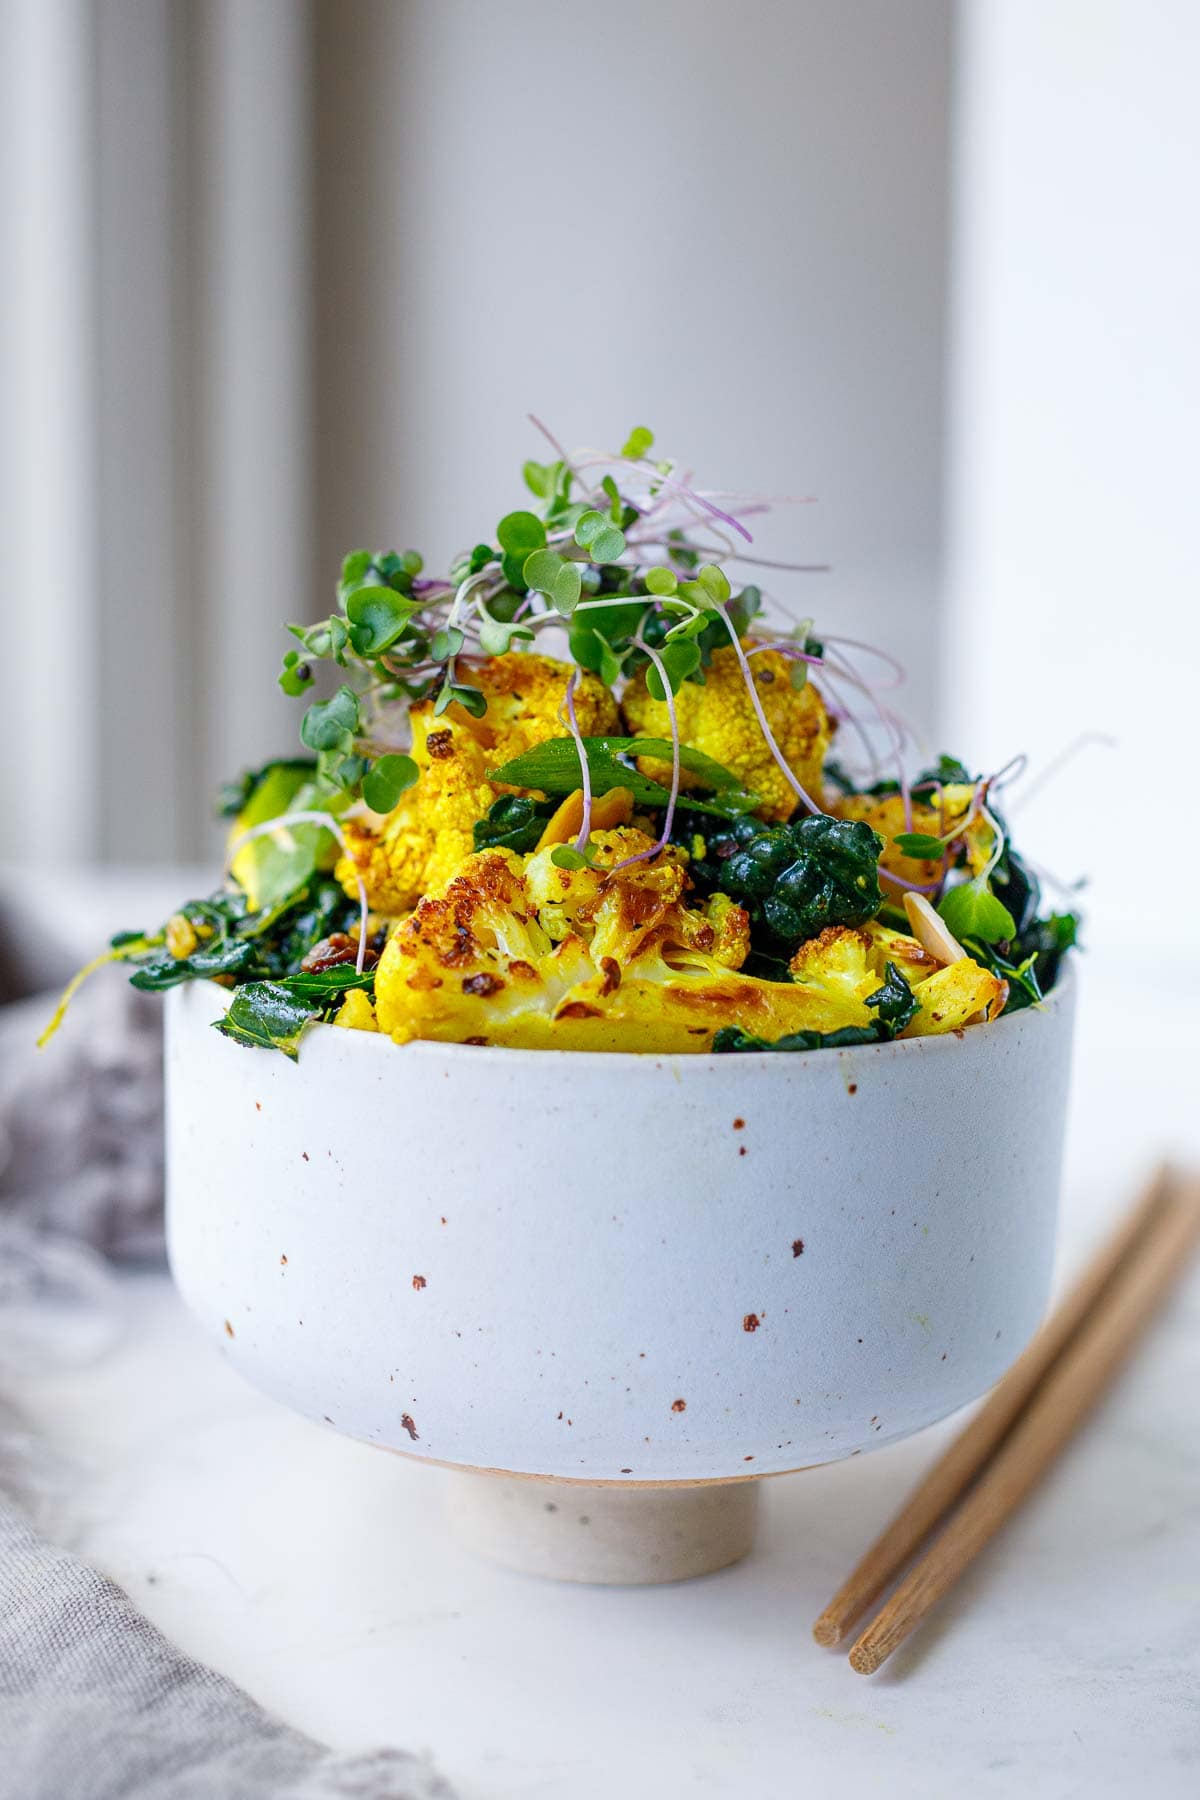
[(718, 718), (416, 849), (520, 952), (885, 814)]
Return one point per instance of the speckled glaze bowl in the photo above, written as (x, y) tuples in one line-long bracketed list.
[(626, 1270)]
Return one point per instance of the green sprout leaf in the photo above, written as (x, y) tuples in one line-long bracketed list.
[(354, 569), (388, 778), (565, 856), (603, 541), (638, 444), (378, 616), (548, 573), (446, 644), (331, 724), (296, 675), (498, 635), (519, 533), (919, 844), (680, 659), (660, 580), (593, 651), (972, 910), (469, 698), (715, 582)]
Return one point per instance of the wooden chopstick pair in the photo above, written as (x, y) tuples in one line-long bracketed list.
[(1020, 1429)]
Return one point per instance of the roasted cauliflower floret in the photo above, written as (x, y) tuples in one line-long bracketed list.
[(356, 1013), (849, 966), (884, 813), (718, 718), (419, 845), (520, 952)]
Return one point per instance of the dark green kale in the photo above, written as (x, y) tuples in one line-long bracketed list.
[(731, 1039), (251, 946), (1030, 963), (948, 771), (796, 879), (710, 843), (1017, 886), (512, 823), (894, 1004), (272, 1015)]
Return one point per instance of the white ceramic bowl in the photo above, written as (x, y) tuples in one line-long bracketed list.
[(611, 1268)]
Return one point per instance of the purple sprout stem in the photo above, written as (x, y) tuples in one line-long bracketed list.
[(899, 674), (669, 817), (595, 459), (764, 727), (838, 666), (585, 828)]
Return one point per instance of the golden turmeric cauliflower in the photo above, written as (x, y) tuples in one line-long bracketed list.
[(718, 718), (520, 952), (847, 966), (884, 813), (423, 840)]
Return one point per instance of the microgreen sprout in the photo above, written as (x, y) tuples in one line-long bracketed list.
[(585, 773)]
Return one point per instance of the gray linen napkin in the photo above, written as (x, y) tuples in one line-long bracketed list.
[(95, 1704)]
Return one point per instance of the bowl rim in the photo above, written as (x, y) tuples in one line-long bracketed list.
[(941, 1043)]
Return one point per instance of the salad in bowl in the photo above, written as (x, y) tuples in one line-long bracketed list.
[(593, 790)]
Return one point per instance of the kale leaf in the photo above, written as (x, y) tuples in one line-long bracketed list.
[(513, 822), (796, 879), (273, 1015), (731, 1039), (894, 1004)]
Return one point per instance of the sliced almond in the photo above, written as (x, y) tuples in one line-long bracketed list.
[(613, 808), (930, 931), (564, 822)]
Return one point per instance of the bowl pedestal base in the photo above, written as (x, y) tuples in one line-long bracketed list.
[(569, 1531)]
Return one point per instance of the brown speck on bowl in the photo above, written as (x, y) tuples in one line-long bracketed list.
[(751, 1322), (407, 1423), (679, 1406), (797, 1246), (419, 1282)]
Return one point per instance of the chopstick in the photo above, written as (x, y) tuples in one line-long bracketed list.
[(1024, 1424)]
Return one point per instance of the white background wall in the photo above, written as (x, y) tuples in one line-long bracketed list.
[(725, 221), (297, 269), (1073, 471)]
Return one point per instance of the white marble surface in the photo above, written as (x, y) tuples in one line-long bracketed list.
[(320, 1573)]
